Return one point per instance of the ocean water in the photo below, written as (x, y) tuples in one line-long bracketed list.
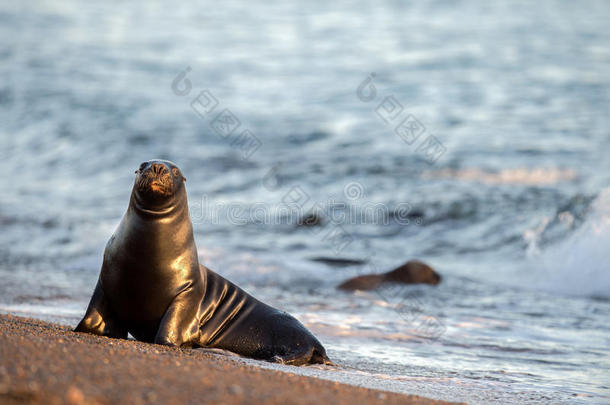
[(472, 136)]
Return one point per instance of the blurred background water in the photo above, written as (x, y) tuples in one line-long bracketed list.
[(515, 214)]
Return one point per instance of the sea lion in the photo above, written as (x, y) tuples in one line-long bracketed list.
[(152, 285), (412, 272)]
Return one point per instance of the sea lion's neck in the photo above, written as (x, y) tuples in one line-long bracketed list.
[(165, 213), (170, 221)]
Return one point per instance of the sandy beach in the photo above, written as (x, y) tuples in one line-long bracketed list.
[(47, 363)]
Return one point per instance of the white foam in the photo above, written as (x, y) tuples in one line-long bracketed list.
[(579, 265)]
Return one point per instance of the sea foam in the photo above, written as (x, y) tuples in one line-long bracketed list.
[(578, 264)]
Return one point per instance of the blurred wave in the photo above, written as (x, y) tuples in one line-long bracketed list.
[(578, 264)]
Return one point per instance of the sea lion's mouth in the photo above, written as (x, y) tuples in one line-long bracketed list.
[(155, 185), (158, 187)]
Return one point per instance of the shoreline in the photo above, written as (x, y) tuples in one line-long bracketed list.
[(43, 362)]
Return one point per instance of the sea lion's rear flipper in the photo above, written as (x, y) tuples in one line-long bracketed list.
[(320, 357), (99, 319), (180, 323), (311, 355)]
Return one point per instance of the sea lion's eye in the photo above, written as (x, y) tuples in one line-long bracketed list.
[(175, 171)]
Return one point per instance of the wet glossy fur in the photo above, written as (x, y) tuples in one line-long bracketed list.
[(152, 285)]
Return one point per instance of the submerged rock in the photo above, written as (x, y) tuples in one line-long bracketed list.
[(412, 272)]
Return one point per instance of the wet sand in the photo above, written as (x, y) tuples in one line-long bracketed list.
[(47, 363)]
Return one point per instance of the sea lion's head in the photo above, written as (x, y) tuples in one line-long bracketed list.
[(159, 184)]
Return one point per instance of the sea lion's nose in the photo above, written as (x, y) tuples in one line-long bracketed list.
[(158, 168)]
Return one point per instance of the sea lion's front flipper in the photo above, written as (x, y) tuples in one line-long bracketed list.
[(99, 318), (180, 323)]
